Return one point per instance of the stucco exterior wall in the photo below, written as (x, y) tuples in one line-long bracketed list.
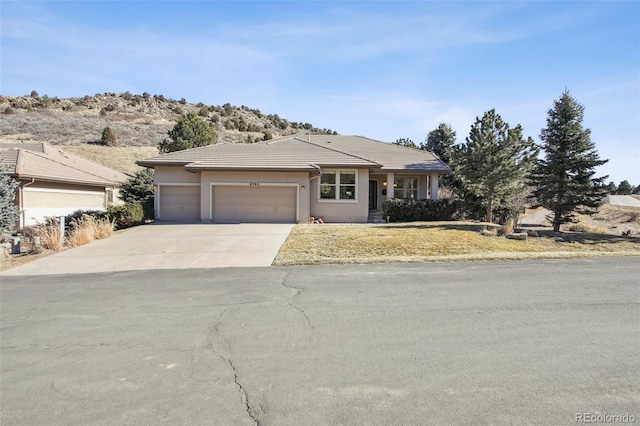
[(342, 211), (174, 174), (45, 199)]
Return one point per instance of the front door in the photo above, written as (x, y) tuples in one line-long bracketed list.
[(373, 195)]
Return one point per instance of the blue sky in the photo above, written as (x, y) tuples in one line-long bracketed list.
[(386, 70)]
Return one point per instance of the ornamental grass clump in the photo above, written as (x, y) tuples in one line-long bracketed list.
[(104, 228), (50, 237), (87, 228)]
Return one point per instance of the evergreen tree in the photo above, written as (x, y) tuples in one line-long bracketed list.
[(139, 189), (406, 142), (440, 141), (8, 209), (624, 188), (612, 188), (189, 132), (109, 137), (493, 162), (563, 180)]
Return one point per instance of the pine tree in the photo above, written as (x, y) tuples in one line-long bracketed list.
[(406, 142), (139, 189), (563, 180), (440, 141), (625, 188), (493, 162), (189, 132), (109, 137), (8, 209)]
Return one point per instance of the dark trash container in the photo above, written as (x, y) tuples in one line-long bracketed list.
[(15, 245)]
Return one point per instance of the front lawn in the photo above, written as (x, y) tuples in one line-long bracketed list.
[(437, 241)]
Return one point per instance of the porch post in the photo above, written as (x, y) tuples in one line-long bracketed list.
[(390, 182), (433, 179)]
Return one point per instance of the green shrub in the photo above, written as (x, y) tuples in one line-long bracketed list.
[(404, 210), (79, 215), (126, 215)]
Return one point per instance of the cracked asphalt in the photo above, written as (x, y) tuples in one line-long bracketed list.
[(531, 342)]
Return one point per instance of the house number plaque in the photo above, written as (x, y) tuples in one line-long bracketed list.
[(254, 183)]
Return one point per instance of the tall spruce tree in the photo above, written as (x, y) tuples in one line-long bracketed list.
[(440, 141), (493, 161), (563, 180), (8, 209), (139, 189), (189, 132)]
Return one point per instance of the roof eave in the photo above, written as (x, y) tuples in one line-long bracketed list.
[(103, 184), (152, 164), (195, 167), (414, 170)]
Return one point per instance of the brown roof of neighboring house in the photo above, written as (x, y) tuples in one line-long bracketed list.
[(45, 162), (286, 154), (303, 153)]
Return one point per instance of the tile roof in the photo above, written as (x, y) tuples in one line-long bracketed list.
[(302, 153), (394, 158), (46, 162), (286, 154)]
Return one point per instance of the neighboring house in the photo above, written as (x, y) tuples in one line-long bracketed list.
[(54, 182), (338, 178)]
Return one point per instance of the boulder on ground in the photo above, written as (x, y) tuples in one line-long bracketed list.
[(517, 236)]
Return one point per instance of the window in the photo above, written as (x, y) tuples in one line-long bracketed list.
[(109, 196), (338, 185), (406, 188)]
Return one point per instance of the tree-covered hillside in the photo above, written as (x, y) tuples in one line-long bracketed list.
[(137, 120)]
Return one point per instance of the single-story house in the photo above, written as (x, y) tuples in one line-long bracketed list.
[(54, 182), (337, 178)]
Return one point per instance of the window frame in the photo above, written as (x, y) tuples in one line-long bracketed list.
[(338, 186), (401, 192)]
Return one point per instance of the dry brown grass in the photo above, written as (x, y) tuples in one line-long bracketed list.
[(104, 228), (50, 237), (585, 227), (505, 230), (441, 241), (88, 229), (613, 220), (121, 158)]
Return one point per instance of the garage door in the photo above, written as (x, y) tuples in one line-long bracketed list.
[(179, 203), (269, 204)]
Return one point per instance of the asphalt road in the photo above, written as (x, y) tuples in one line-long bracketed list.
[(461, 343)]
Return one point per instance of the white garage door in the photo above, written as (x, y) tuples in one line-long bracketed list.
[(179, 203), (267, 204)]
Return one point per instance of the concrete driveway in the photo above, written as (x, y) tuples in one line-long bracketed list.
[(624, 201), (168, 246)]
